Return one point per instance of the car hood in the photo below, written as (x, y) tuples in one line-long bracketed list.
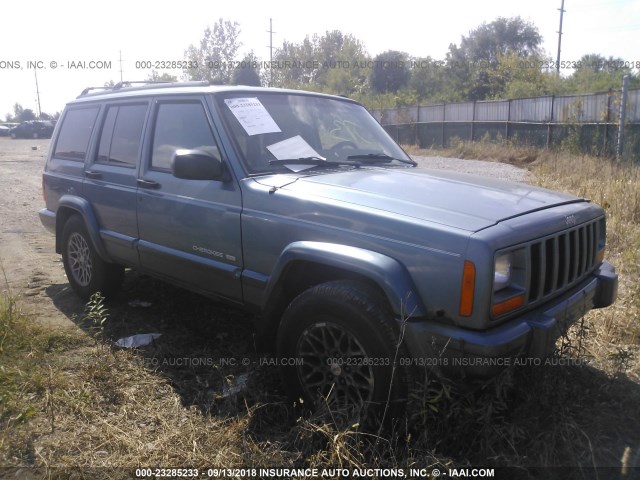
[(463, 201)]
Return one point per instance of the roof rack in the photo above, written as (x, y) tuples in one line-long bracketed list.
[(144, 84)]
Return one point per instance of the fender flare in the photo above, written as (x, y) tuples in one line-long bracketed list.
[(84, 209), (387, 273)]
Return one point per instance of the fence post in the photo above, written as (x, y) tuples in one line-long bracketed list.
[(473, 120), (444, 119), (623, 115), (549, 127), (506, 127), (417, 123), (605, 144)]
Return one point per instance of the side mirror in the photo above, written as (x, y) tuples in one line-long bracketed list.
[(196, 165)]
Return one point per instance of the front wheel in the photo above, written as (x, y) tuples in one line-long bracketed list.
[(86, 271), (341, 350)]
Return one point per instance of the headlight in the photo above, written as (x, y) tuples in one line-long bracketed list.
[(509, 280), (502, 271)]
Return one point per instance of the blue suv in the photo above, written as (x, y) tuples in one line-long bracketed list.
[(362, 269)]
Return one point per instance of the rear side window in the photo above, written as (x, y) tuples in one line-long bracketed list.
[(121, 135), (180, 125), (75, 133)]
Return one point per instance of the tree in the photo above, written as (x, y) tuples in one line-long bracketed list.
[(471, 64), (247, 72), (17, 112), (500, 37), (595, 73), (517, 77), (21, 114), (333, 63), (390, 71), (164, 77), (428, 80), (28, 114), (213, 59)]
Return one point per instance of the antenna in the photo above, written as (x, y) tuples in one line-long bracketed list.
[(562, 10)]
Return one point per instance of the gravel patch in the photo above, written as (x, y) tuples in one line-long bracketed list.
[(502, 171)]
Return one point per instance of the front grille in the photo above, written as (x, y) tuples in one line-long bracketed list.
[(561, 260)]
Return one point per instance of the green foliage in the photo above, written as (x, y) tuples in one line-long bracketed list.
[(390, 72), (499, 59), (429, 80), (247, 72), (217, 51), (95, 314), (161, 77), (472, 65), (20, 114), (518, 77), (595, 73), (332, 63)]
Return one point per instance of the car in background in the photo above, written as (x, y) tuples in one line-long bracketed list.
[(33, 129), (5, 128)]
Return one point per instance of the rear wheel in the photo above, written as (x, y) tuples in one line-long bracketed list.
[(86, 271), (341, 350)]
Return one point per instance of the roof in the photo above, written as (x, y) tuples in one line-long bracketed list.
[(131, 90)]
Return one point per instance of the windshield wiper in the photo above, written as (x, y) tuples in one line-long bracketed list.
[(315, 161), (378, 158)]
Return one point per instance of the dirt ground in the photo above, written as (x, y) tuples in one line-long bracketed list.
[(31, 266)]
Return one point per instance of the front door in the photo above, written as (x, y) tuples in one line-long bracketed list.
[(189, 229)]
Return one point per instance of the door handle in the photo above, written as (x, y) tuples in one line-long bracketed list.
[(142, 183), (93, 175)]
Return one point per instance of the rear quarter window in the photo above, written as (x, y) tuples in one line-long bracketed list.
[(121, 135), (75, 132)]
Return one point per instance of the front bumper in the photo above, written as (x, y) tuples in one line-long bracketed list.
[(458, 352)]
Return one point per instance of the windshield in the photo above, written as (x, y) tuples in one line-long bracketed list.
[(271, 128)]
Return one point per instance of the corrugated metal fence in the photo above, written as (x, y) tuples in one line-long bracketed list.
[(588, 122)]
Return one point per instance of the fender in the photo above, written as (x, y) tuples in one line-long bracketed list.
[(387, 273), (83, 207)]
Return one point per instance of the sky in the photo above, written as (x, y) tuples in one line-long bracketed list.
[(56, 37)]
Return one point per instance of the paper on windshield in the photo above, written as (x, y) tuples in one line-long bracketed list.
[(254, 118), (294, 147)]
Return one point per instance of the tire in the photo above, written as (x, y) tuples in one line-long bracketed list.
[(86, 271), (342, 335)]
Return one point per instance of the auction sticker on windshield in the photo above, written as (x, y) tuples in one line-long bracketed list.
[(292, 148), (252, 115)]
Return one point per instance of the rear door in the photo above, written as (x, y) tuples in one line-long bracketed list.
[(189, 229), (111, 177)]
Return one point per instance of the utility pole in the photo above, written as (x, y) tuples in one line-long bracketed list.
[(562, 10), (120, 66), (271, 32), (35, 72)]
